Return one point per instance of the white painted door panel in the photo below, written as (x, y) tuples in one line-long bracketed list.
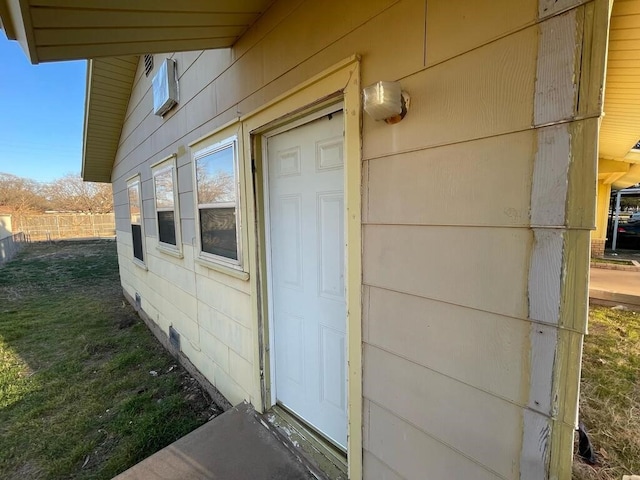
[(306, 217)]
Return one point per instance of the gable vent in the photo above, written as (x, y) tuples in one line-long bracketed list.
[(148, 64)]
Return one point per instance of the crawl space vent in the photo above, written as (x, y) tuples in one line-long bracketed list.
[(174, 338), (138, 301), (165, 87)]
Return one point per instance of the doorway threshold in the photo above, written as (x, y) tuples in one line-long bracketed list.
[(325, 460)]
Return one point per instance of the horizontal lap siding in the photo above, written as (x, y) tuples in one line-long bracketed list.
[(446, 200), (444, 263), (210, 310), (477, 348), (493, 176), (447, 245), (402, 447), (485, 92)]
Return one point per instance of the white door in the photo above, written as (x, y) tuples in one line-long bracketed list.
[(306, 223)]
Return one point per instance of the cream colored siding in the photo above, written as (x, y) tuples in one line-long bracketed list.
[(451, 105), (477, 348), (459, 336), (429, 261), (455, 199), (403, 447), (215, 321), (374, 469), (448, 245), (499, 18)]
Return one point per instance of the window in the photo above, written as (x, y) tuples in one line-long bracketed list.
[(164, 187), (135, 215), (217, 198)]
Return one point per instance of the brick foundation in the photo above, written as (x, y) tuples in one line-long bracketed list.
[(597, 247)]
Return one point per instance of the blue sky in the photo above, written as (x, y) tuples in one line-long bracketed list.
[(41, 115)]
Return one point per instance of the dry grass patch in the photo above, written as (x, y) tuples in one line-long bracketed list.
[(610, 394)]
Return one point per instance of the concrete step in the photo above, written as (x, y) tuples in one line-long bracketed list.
[(232, 446)]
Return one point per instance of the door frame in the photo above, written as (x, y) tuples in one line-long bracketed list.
[(338, 84)]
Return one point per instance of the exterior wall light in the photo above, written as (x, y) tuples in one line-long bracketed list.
[(386, 101)]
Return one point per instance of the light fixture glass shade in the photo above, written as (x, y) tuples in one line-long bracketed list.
[(383, 100)]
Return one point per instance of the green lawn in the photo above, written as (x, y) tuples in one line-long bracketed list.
[(610, 394), (77, 399)]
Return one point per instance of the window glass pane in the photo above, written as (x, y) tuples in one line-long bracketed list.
[(134, 203), (163, 182), (215, 177), (218, 232), (136, 232), (167, 227)]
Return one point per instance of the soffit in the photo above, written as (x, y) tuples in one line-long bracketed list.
[(620, 129), (50, 30), (109, 83), (113, 33)]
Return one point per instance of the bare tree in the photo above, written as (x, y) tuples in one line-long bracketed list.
[(214, 186), (21, 195), (72, 194)]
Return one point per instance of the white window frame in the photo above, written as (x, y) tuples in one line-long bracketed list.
[(207, 257), (158, 168), (135, 182)]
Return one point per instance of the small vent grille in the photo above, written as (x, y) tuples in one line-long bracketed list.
[(148, 64), (174, 338), (138, 302)]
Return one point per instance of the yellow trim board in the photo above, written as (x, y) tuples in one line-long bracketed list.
[(343, 79), (580, 219)]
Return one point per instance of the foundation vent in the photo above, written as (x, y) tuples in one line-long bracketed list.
[(174, 338), (138, 301)]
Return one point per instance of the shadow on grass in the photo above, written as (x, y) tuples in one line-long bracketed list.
[(77, 399)]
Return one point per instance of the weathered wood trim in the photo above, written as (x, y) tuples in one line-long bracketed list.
[(343, 79), (556, 75), (580, 219), (548, 8), (550, 169), (568, 101)]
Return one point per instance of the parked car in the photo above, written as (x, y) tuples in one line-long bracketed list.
[(628, 235)]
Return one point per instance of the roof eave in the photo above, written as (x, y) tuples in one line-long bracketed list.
[(5, 21), (85, 172), (16, 23), (95, 167)]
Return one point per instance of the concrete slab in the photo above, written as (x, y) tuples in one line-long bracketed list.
[(614, 286), (233, 446)]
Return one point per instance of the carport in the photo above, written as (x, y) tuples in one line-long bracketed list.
[(616, 213)]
